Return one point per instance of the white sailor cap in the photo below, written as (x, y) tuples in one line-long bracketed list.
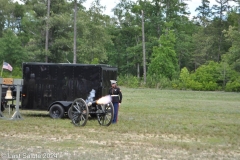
[(113, 81)]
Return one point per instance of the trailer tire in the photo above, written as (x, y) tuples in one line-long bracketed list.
[(56, 111), (3, 106), (70, 116)]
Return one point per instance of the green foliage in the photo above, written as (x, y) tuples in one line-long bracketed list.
[(164, 59), (195, 85), (95, 61), (204, 10), (175, 84), (210, 86), (184, 78), (207, 72), (202, 45), (128, 81), (233, 86), (158, 81), (173, 40), (233, 56), (207, 76), (16, 73), (184, 44), (11, 50), (153, 80), (232, 81)]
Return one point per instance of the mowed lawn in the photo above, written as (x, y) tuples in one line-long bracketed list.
[(153, 124)]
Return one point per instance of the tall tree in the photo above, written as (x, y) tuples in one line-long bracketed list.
[(173, 8), (75, 30), (219, 25), (47, 29), (184, 42), (144, 49), (9, 13), (34, 27), (11, 49), (202, 47), (204, 13), (96, 37), (122, 37), (164, 59), (233, 56)]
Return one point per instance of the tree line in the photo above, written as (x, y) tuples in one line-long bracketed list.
[(182, 52)]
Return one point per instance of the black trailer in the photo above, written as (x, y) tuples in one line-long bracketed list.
[(53, 87)]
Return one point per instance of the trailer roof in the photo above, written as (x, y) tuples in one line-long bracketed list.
[(70, 64)]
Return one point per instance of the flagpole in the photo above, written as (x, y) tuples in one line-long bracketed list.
[(2, 69)]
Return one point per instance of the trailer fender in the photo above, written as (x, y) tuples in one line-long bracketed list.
[(65, 104)]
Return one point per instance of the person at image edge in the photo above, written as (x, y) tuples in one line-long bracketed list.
[(116, 95)]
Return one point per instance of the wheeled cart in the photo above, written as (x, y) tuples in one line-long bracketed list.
[(80, 111)]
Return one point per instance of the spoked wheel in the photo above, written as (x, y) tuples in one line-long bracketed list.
[(79, 112), (105, 114)]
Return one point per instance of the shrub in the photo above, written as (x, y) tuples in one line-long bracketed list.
[(152, 81), (176, 84), (194, 85), (158, 81), (206, 77), (16, 73), (128, 81), (233, 86), (209, 86), (184, 78)]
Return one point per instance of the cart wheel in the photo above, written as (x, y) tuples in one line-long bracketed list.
[(79, 112), (105, 114)]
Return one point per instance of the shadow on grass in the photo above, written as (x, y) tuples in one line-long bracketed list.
[(36, 115), (92, 118), (29, 113)]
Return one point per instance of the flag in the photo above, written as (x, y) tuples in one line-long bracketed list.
[(7, 66)]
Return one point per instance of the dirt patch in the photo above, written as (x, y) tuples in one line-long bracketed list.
[(111, 146)]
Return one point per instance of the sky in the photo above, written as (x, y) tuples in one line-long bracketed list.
[(110, 4)]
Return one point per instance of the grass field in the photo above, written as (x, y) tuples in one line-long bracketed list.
[(153, 124)]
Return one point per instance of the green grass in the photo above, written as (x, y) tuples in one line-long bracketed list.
[(153, 124)]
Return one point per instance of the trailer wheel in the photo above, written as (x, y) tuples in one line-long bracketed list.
[(3, 106), (105, 114), (79, 112), (56, 111), (69, 113)]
